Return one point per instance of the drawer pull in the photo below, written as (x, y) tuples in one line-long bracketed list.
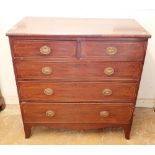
[(45, 50), (109, 71), (104, 113), (111, 50), (48, 91), (107, 92), (50, 113), (46, 70)]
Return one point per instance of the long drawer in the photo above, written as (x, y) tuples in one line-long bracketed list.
[(76, 113), (78, 71), (44, 48), (77, 91), (113, 50)]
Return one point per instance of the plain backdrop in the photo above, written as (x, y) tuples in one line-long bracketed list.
[(13, 11)]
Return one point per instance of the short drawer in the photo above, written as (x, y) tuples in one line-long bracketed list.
[(76, 113), (77, 91), (113, 50), (44, 48), (78, 71)]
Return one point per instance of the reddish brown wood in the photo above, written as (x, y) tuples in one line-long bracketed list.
[(31, 48), (47, 26), (79, 126), (27, 129), (77, 113), (126, 51), (127, 128), (78, 60), (78, 71), (77, 92)]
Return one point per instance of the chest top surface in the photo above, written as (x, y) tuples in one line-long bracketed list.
[(47, 26)]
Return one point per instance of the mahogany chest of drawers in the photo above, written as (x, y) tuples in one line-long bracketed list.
[(77, 73)]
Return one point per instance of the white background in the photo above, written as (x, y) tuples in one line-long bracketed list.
[(13, 11)]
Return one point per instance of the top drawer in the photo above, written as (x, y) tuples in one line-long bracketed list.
[(44, 48), (113, 50)]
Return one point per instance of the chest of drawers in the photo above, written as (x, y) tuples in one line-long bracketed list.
[(77, 73)]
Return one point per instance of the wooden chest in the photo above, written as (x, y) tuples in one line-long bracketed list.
[(77, 73)]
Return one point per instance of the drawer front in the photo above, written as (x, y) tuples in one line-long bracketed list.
[(79, 71), (44, 48), (106, 50), (77, 91), (76, 113)]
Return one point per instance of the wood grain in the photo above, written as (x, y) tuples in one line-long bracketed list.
[(78, 71), (38, 26), (126, 51), (31, 48), (76, 113), (78, 60), (77, 91)]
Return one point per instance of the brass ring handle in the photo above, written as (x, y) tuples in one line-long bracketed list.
[(46, 70), (50, 113), (107, 92), (111, 50), (45, 50), (104, 113), (48, 91), (109, 71)]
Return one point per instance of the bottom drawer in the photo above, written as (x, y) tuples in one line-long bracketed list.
[(76, 113)]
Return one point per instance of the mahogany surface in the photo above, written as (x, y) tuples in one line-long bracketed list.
[(126, 51), (77, 62), (76, 113), (78, 71), (30, 48), (36, 26), (77, 91)]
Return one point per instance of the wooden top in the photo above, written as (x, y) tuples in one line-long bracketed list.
[(36, 26)]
